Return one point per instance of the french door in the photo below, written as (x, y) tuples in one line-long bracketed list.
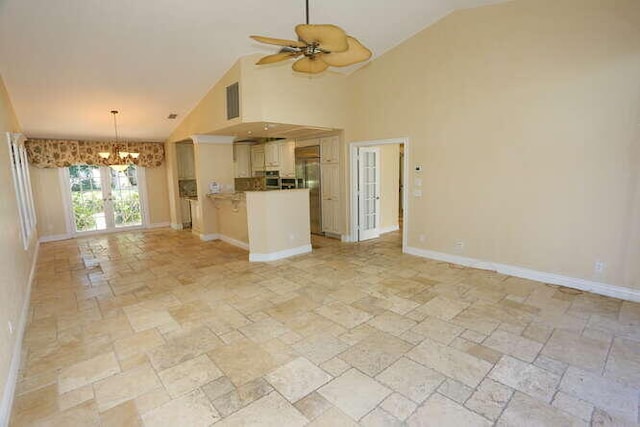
[(103, 199), (368, 193)]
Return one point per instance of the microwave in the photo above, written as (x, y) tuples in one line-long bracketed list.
[(272, 180), (288, 183)]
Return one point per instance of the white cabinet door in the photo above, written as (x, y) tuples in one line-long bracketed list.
[(272, 155), (257, 159), (186, 161), (330, 149), (329, 217), (330, 175), (242, 163), (288, 159)]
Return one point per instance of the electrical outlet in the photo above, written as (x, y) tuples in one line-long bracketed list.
[(423, 238), (459, 246), (417, 193), (598, 267), (417, 182), (10, 324)]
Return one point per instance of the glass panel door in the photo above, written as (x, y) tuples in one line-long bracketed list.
[(103, 198), (369, 193), (87, 199), (125, 198)]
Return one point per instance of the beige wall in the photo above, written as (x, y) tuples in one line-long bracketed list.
[(389, 182), (214, 162), (275, 93), (15, 261), (233, 222), (49, 199), (272, 93), (524, 116), (158, 195), (210, 114), (278, 220)]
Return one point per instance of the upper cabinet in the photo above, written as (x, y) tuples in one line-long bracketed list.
[(287, 159), (272, 155), (242, 160), (186, 161), (257, 159), (330, 149)]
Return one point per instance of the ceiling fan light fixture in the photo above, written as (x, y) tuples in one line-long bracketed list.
[(356, 53), (310, 65), (326, 37), (277, 57), (322, 45)]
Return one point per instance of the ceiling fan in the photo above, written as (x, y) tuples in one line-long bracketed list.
[(321, 45)]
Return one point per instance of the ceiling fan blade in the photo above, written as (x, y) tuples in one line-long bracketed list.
[(308, 65), (328, 37), (278, 42), (277, 57), (356, 53)]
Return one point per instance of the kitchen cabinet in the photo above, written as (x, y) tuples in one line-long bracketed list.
[(257, 159), (196, 216), (331, 217), (330, 149), (287, 159), (330, 189), (272, 155), (186, 161), (242, 160), (185, 211)]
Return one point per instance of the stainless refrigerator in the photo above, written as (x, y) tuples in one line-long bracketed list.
[(308, 170)]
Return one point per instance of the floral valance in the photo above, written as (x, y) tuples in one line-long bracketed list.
[(57, 153)]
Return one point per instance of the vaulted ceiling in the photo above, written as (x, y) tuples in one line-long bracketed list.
[(67, 63)]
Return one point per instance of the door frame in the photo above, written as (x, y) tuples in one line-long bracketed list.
[(353, 184), (63, 177), (375, 232)]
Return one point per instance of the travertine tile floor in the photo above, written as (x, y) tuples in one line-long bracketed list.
[(158, 328)]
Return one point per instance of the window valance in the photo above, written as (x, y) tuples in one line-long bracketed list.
[(57, 153)]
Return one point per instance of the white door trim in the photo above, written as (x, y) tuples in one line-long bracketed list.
[(353, 179), (374, 232)]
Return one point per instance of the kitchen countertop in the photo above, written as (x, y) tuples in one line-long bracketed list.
[(238, 195)]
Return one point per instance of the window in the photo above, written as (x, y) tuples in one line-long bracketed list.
[(22, 184)]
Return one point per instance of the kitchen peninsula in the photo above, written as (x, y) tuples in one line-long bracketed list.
[(271, 224)]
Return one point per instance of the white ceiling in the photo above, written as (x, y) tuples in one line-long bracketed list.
[(67, 63)]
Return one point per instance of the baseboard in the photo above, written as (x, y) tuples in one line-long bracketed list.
[(14, 367), (208, 237), (55, 238), (389, 229), (606, 289), (176, 226), (346, 238), (273, 256), (453, 259), (238, 243), (160, 225)]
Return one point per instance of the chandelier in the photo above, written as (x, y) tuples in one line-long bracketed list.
[(121, 159)]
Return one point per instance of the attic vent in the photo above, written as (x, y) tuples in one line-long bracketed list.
[(233, 101)]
